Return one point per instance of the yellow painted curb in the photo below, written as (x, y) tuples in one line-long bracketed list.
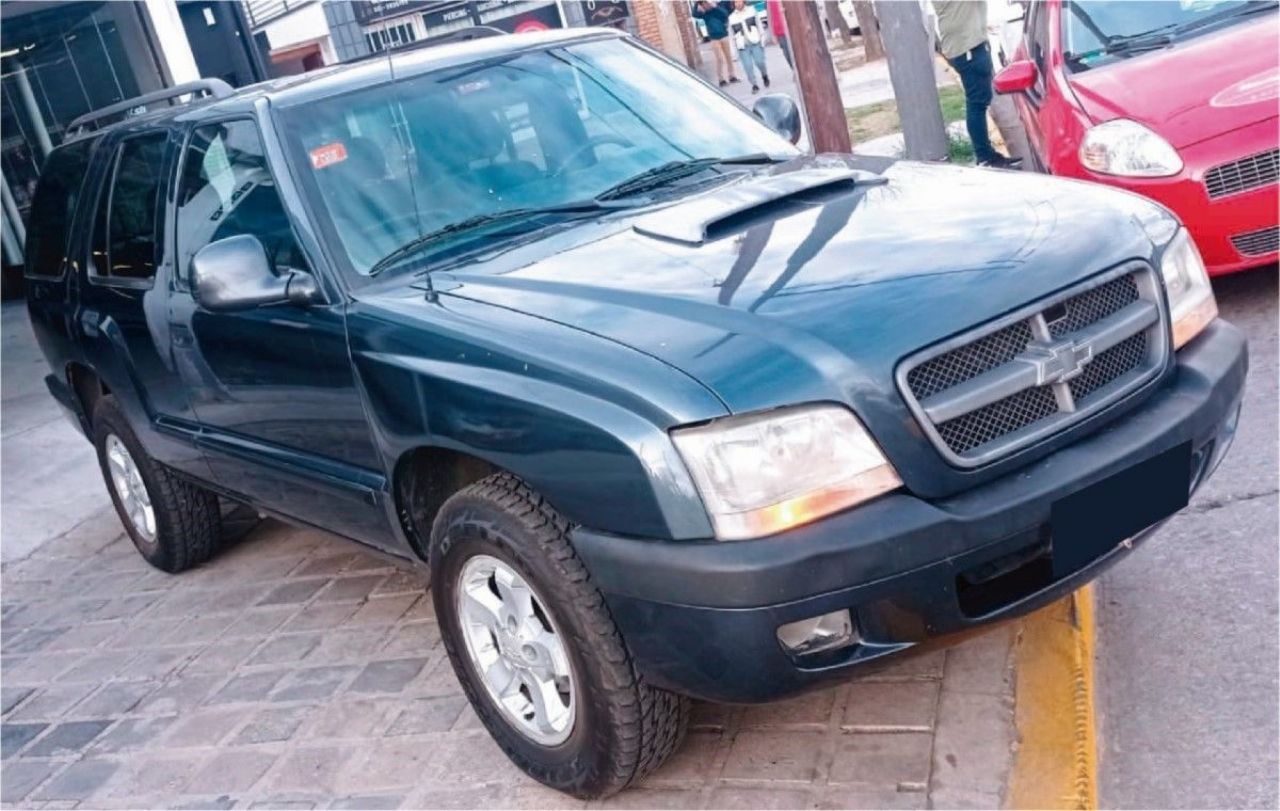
[(1057, 757)]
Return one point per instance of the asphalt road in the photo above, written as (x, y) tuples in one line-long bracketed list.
[(1187, 654)]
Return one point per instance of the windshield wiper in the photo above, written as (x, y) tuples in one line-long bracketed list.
[(1128, 44), (478, 221), (671, 171)]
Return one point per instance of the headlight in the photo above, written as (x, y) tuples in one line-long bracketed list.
[(1191, 302), (1124, 147), (764, 473)]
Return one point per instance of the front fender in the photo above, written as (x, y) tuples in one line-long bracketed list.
[(582, 419)]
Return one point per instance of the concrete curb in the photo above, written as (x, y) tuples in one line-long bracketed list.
[(1057, 757)]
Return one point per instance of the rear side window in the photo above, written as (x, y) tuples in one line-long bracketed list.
[(54, 207), (226, 190), (125, 242)]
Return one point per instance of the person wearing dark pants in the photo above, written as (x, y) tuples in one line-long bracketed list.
[(962, 37)]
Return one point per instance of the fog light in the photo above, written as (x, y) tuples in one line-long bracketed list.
[(829, 631)]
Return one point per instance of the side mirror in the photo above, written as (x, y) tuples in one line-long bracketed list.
[(779, 113), (234, 274), (1016, 77)]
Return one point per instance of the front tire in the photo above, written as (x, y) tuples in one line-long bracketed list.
[(174, 524), (513, 598)]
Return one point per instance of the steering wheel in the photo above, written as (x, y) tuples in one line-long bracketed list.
[(589, 145)]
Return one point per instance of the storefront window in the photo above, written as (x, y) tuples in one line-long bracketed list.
[(58, 62)]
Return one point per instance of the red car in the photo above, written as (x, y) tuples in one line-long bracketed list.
[(1176, 101)]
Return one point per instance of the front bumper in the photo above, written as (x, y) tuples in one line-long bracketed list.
[(701, 618)]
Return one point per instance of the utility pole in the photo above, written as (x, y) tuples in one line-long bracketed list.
[(816, 77), (906, 43)]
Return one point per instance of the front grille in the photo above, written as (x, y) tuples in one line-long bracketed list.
[(1247, 173), (1000, 387), (1258, 243)]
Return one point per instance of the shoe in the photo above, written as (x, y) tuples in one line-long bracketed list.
[(723, 83), (1001, 162), (766, 81), (734, 79), (755, 88)]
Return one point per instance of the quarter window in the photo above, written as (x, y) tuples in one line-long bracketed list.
[(49, 223), (227, 190), (124, 241)]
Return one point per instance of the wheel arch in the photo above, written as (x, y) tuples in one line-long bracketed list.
[(423, 479), (87, 387)]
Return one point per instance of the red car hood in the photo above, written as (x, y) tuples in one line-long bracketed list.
[(1194, 90)]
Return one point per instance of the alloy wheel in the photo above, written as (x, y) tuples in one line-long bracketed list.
[(516, 650), (130, 488)]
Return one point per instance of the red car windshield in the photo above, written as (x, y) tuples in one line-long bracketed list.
[(1098, 32)]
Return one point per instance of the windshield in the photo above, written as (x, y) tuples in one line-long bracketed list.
[(542, 129), (1098, 32)]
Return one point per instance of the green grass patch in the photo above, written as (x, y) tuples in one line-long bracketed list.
[(874, 120), (960, 150)]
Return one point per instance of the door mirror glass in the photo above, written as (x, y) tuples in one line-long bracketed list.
[(234, 274), (779, 113), (1016, 77)]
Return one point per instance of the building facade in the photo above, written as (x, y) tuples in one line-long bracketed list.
[(59, 60)]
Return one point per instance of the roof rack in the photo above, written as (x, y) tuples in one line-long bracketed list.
[(461, 35), (215, 88)]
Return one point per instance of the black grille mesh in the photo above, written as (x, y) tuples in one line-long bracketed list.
[(1258, 243), (993, 421), (1247, 173), (1124, 357), (1093, 305), (969, 361)]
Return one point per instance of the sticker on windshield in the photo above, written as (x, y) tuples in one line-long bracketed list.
[(328, 155), (470, 87)]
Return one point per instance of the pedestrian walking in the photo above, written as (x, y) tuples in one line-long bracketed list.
[(716, 17), (748, 38), (962, 37), (778, 29)]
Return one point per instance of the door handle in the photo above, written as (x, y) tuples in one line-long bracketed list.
[(89, 322), (182, 336)]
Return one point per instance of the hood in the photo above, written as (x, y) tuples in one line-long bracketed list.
[(1194, 90), (817, 298)]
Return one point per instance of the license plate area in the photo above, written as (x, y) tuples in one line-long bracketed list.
[(1092, 521)]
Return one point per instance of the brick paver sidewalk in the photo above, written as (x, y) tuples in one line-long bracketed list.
[(295, 671)]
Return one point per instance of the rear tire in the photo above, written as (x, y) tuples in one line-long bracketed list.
[(621, 728), (174, 524)]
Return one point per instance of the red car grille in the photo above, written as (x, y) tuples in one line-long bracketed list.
[(1258, 243), (1247, 173)]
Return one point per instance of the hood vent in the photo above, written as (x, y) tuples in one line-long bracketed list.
[(689, 221)]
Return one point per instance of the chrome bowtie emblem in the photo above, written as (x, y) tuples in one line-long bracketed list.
[(1057, 361)]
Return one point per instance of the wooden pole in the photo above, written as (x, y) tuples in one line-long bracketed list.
[(816, 78), (906, 44)]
